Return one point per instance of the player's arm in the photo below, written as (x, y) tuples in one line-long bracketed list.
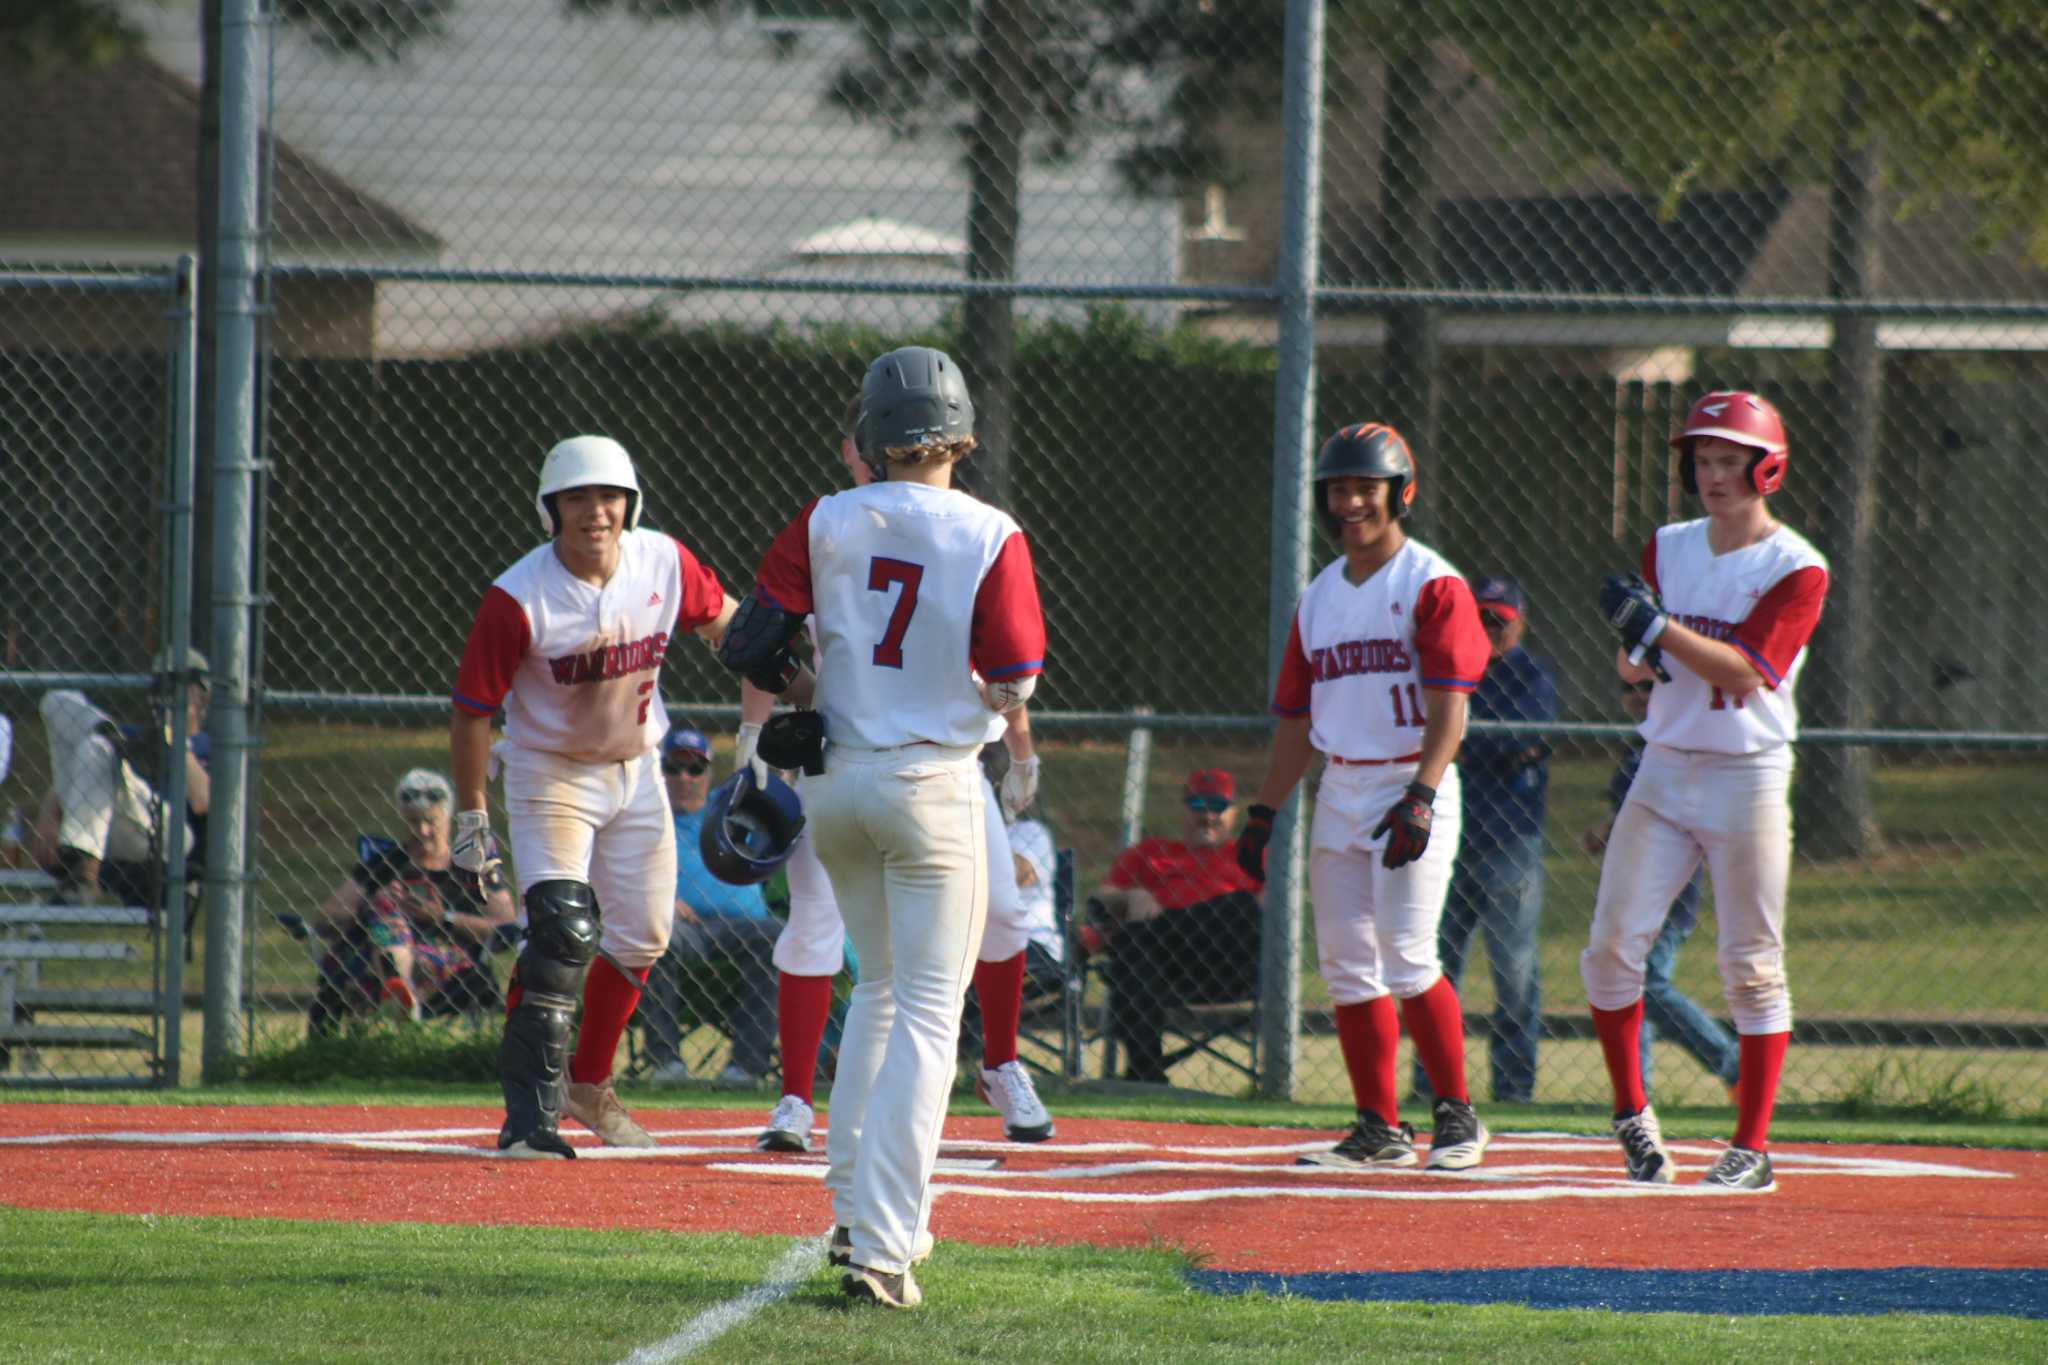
[(469, 756), (1287, 760), (1443, 725), (1020, 783), (1720, 665)]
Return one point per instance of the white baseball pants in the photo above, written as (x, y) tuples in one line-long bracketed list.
[(1376, 928), (903, 833)]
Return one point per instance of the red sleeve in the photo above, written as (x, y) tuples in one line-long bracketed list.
[(703, 598), (1781, 622), (1448, 636), (498, 641), (784, 576), (1650, 566), (1128, 869), (1290, 694), (1008, 634)]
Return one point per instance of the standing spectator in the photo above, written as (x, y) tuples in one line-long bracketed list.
[(1497, 881), (929, 631), (1720, 615), (715, 922), (1665, 1007), (1383, 654), (1181, 919), (570, 641)]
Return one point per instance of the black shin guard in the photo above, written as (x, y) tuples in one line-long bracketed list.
[(561, 938)]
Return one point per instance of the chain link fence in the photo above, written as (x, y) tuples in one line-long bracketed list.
[(1539, 233)]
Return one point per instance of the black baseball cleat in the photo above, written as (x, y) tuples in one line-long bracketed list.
[(1457, 1139), (1741, 1171), (542, 1143), (1372, 1141), (1642, 1145)]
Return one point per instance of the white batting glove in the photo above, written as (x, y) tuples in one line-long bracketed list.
[(474, 850), (745, 742), (1020, 785)]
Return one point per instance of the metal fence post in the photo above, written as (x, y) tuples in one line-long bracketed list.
[(234, 463), (1293, 422), (177, 639), (1137, 768)]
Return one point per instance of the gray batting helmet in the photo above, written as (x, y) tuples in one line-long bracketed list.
[(912, 395)]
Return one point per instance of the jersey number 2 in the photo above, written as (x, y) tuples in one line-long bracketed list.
[(883, 572)]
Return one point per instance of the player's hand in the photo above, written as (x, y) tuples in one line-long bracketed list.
[(1406, 825), (745, 742), (474, 852), (1653, 659), (1252, 841), (1632, 609), (1020, 785)]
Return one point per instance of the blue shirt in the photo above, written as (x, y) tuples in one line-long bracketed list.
[(707, 896), (1504, 786)]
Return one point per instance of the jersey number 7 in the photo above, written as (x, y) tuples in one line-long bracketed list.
[(882, 572)]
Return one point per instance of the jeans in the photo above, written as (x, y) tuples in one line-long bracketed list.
[(1668, 1010), (1499, 888), (748, 942)]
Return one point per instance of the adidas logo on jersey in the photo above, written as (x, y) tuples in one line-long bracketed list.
[(654, 599)]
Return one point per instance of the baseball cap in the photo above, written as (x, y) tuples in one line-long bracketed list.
[(1210, 789), (1503, 595), (684, 740)]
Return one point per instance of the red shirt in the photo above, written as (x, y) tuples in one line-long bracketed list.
[(1178, 875)]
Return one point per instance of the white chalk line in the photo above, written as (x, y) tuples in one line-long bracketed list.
[(798, 1264)]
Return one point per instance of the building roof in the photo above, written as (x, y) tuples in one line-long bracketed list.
[(112, 154)]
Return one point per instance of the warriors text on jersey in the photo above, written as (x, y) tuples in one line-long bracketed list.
[(897, 574), (1360, 654), (577, 667), (1764, 599)]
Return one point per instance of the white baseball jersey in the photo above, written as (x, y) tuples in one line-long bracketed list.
[(1764, 599), (898, 575), (575, 666), (1359, 655)]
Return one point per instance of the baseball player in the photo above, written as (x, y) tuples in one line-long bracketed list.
[(569, 641), (813, 944), (1720, 617), (1385, 650), (915, 588)]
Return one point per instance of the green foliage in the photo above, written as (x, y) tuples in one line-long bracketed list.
[(1894, 1088), (48, 35), (380, 1047), (369, 30)]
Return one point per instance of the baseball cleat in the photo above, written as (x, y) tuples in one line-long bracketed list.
[(1642, 1143), (1741, 1171), (542, 1144), (597, 1107), (1372, 1141), (1009, 1091), (789, 1127), (863, 1285), (841, 1252), (1457, 1139)]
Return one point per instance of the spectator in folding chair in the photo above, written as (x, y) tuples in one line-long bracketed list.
[(403, 927), (1181, 920), (715, 922), (97, 829)]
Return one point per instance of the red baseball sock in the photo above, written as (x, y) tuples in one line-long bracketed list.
[(1756, 1087), (609, 996), (1621, 1044), (802, 1004), (999, 986), (1437, 1025), (1367, 1033)]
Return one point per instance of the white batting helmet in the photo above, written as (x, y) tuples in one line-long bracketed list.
[(584, 462)]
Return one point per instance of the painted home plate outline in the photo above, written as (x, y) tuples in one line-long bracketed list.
[(1538, 1166)]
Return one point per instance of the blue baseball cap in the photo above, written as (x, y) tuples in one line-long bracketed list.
[(1499, 593), (682, 739)]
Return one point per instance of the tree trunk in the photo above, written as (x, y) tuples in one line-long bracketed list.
[(1834, 815), (1408, 212), (1004, 32)]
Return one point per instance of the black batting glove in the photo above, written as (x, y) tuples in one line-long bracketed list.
[(1406, 825), (1633, 610), (1252, 840)]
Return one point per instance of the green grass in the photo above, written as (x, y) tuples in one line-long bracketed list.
[(79, 1287)]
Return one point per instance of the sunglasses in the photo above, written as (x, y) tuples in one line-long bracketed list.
[(1493, 620), (422, 796), (688, 766), (1208, 805)]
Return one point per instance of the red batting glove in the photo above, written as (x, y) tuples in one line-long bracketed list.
[(1406, 824)]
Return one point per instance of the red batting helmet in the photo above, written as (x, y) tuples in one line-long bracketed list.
[(1366, 450), (1745, 418)]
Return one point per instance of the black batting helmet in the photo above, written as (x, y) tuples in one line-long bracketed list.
[(1366, 450), (912, 395), (749, 831)]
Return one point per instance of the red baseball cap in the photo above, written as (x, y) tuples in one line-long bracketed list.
[(1212, 782)]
